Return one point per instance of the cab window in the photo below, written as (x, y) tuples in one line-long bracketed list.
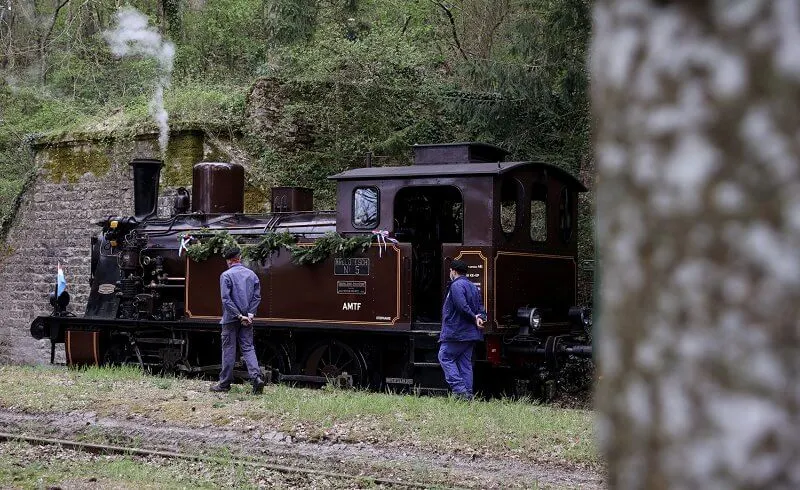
[(565, 215), (539, 213), (365, 207), (510, 194)]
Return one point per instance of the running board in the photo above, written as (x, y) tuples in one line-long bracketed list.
[(344, 380), (426, 364)]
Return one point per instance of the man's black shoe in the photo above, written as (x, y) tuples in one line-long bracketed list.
[(218, 388), (258, 386)]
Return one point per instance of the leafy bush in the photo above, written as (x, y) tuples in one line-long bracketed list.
[(218, 105), (224, 39)]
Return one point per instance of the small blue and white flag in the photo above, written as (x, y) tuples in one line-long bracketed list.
[(61, 281)]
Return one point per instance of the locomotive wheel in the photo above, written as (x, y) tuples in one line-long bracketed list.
[(275, 357), (121, 353), (333, 358)]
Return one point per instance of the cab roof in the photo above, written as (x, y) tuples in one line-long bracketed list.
[(453, 169)]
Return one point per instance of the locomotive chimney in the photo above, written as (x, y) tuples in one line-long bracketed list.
[(146, 173)]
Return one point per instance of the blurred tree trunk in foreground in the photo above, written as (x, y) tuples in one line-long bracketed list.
[(697, 110)]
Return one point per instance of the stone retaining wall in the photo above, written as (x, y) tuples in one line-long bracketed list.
[(79, 183)]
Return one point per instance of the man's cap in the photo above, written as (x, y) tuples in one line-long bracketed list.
[(231, 253), (459, 266)]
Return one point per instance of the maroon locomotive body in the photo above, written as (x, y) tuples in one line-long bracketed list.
[(370, 317)]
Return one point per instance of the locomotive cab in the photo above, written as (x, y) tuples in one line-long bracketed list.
[(512, 222)]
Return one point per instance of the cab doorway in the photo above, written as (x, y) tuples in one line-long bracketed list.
[(427, 217)]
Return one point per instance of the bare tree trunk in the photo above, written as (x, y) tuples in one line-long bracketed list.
[(169, 17), (697, 109), (44, 39), (7, 15)]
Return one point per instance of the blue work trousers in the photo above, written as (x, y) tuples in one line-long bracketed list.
[(456, 361), (231, 332)]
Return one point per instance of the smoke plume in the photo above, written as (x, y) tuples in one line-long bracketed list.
[(132, 36)]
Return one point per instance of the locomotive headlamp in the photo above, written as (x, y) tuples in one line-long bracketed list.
[(582, 316), (530, 317), (586, 320), (59, 302), (535, 319)]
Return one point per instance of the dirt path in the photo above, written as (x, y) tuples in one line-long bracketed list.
[(360, 458)]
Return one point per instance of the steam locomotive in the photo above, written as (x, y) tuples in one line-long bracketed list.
[(368, 318)]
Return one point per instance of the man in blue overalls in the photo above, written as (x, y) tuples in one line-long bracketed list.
[(241, 295), (463, 316)]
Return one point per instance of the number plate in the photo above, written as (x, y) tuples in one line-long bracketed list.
[(351, 266)]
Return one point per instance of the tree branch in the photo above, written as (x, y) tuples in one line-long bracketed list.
[(453, 27), (43, 40), (53, 23)]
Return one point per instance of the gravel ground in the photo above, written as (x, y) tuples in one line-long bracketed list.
[(436, 469), (498, 429), (435, 441), (52, 467)]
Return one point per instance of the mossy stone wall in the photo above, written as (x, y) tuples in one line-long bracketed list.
[(73, 160), (78, 183), (183, 152)]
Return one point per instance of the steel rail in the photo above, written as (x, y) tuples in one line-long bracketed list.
[(108, 449)]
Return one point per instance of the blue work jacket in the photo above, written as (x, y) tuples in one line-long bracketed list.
[(241, 293), (462, 303)]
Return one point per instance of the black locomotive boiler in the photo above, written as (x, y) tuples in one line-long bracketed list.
[(352, 295)]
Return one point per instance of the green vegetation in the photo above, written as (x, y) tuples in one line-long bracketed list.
[(182, 153), (19, 469), (305, 88), (498, 427)]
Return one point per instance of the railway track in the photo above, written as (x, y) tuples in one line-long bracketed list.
[(134, 451)]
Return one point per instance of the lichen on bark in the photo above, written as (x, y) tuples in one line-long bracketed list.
[(698, 230)]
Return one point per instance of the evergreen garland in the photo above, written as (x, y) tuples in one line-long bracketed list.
[(269, 244), (331, 244), (216, 244)]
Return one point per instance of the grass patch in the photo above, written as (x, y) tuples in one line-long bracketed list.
[(117, 373), (209, 104), (497, 427)]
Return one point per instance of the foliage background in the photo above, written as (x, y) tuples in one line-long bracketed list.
[(376, 76)]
